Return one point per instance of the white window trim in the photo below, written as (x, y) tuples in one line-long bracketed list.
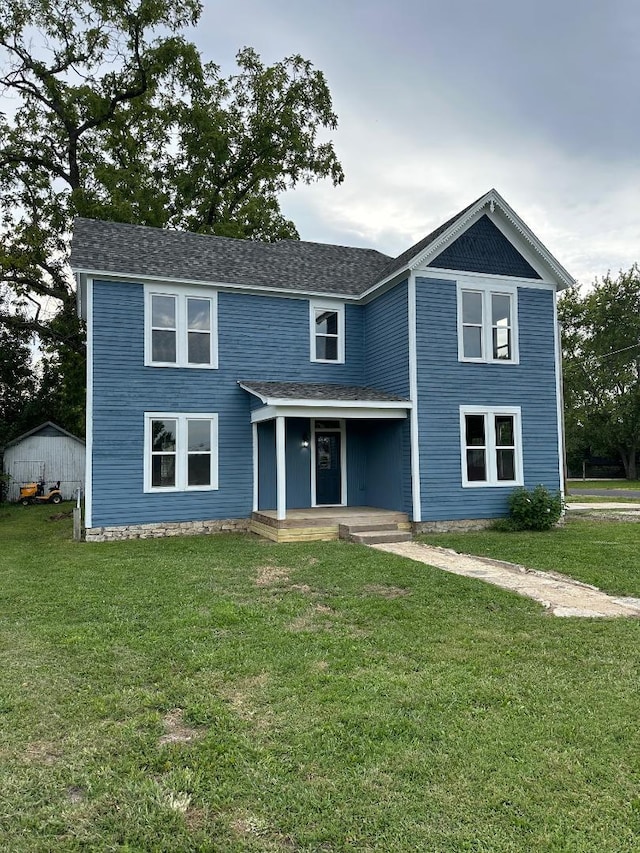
[(326, 305), (182, 333), (486, 289), (490, 414), (181, 450)]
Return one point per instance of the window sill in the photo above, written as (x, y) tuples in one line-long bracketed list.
[(503, 484), (504, 361), (181, 366)]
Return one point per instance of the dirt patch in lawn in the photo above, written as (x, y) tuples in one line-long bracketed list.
[(243, 694), (76, 795), (309, 620), (176, 731), (270, 575), (386, 591), (42, 752), (251, 826)]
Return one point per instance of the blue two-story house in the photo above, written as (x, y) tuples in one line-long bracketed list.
[(228, 378)]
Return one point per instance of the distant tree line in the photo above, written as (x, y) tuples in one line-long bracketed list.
[(601, 355)]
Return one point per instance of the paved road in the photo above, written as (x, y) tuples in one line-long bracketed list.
[(605, 493)]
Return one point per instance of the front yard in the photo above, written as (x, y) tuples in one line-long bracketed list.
[(228, 694)]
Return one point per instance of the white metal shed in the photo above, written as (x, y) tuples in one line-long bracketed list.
[(47, 453)]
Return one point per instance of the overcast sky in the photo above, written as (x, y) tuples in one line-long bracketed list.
[(440, 101)]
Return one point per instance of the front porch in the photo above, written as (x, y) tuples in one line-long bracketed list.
[(324, 523), (325, 449)]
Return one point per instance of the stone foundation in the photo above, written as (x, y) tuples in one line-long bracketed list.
[(166, 528), (453, 526)]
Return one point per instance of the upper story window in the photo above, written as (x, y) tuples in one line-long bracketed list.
[(181, 452), (180, 327), (487, 324), (491, 446), (327, 332)]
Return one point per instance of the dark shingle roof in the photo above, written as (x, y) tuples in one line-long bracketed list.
[(114, 247), (318, 391), (131, 250)]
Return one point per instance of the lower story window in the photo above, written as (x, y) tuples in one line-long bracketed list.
[(491, 446), (181, 451)]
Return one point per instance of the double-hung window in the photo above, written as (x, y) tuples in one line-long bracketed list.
[(487, 324), (181, 452), (180, 327), (491, 446), (327, 332)]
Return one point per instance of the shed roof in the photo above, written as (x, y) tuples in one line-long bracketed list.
[(46, 428)]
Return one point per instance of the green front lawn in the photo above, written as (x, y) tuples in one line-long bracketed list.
[(603, 498), (604, 554), (604, 484), (228, 694)]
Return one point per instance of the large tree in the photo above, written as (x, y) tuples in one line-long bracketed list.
[(117, 117), (601, 352), (18, 385)]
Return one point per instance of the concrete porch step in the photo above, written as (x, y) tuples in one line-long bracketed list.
[(372, 533), (346, 530), (378, 537)]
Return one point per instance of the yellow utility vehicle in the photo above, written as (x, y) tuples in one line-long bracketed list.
[(34, 493)]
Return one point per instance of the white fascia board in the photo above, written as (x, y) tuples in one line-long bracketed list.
[(138, 278), (339, 404), (530, 237), (328, 412)]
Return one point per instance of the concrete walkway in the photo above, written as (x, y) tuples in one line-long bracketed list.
[(560, 595), (628, 506)]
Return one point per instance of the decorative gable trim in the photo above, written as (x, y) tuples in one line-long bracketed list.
[(484, 248), (489, 203)]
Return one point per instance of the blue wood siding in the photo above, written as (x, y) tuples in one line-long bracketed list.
[(374, 463), (387, 367), (267, 465), (298, 464), (356, 463), (387, 343), (444, 384), (260, 337), (483, 248), (298, 459)]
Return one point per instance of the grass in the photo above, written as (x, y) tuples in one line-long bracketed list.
[(604, 484), (596, 499), (601, 553), (227, 694)]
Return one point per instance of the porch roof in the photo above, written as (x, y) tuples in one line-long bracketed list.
[(322, 399)]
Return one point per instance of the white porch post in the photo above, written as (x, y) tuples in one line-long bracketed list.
[(254, 429), (281, 470)]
